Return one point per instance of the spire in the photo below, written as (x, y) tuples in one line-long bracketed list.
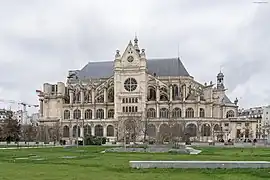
[(136, 46)]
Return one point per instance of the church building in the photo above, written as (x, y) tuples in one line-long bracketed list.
[(134, 97)]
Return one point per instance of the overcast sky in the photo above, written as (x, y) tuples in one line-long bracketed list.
[(40, 40)]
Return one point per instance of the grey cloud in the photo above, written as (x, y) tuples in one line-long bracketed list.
[(41, 40)]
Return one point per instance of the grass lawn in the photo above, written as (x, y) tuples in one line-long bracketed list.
[(90, 164)]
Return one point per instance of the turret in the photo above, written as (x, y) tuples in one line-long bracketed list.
[(220, 81)]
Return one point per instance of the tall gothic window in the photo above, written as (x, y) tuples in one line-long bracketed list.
[(151, 113), (66, 114), (100, 114), (176, 113), (202, 113), (164, 113), (189, 113), (88, 114)]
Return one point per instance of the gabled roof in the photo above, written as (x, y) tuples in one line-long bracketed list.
[(227, 100), (159, 67)]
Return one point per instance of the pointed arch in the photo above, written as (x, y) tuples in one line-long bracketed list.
[(151, 93), (75, 130), (99, 130), (151, 113), (190, 113), (191, 130), (66, 114), (87, 130), (176, 113), (111, 113), (110, 130), (206, 130), (164, 132), (151, 130), (111, 94), (230, 114), (177, 130), (100, 114), (77, 114), (202, 113), (88, 114), (217, 128), (164, 113), (175, 92), (65, 131)]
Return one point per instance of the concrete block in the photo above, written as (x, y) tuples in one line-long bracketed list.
[(199, 164)]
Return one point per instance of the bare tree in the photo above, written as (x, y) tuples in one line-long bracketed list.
[(29, 133), (11, 130)]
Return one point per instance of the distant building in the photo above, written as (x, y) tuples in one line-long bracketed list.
[(5, 114), (262, 115)]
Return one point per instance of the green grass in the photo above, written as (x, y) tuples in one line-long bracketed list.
[(91, 164)]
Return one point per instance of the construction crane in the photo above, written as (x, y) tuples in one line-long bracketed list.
[(24, 105)]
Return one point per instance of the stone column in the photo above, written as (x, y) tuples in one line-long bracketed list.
[(184, 93), (82, 132), (198, 110), (71, 97), (82, 114), (157, 110), (171, 95), (105, 113), (93, 96), (105, 95), (92, 130), (82, 96), (105, 131), (41, 107), (183, 111), (93, 113), (70, 131), (158, 93)]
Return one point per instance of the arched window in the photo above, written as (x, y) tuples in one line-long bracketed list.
[(202, 113), (100, 114), (111, 113), (151, 94), (99, 130), (176, 113), (110, 130), (151, 130), (88, 114), (191, 130), (87, 130), (189, 113), (230, 114), (164, 113), (217, 128), (151, 113), (175, 92), (65, 131), (66, 114), (111, 94), (77, 114), (76, 130), (206, 130)]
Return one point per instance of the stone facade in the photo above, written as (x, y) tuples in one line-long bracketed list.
[(134, 98)]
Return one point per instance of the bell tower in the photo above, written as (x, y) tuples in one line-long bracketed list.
[(220, 81)]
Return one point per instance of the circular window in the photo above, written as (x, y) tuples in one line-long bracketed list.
[(130, 58), (130, 84)]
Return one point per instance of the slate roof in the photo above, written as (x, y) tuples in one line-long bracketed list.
[(161, 67), (227, 100)]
